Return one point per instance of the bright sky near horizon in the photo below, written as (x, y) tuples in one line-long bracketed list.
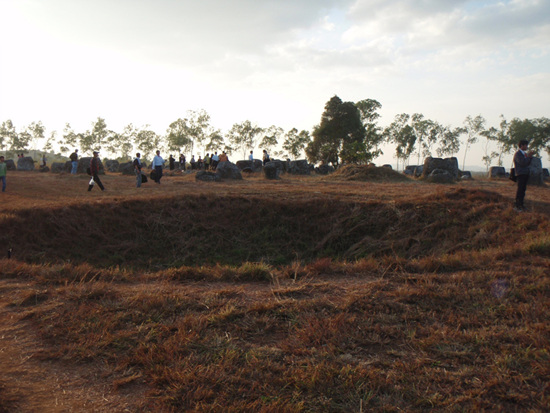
[(273, 62)]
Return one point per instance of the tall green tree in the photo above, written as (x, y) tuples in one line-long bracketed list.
[(340, 137), (244, 136), (190, 133), (295, 142), (69, 140), (121, 144), (536, 131), (147, 142), (8, 135), (272, 136), (215, 141), (36, 130), (96, 138), (472, 128), (401, 133), (449, 141), (374, 136)]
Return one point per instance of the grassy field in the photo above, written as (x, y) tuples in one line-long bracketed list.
[(355, 292)]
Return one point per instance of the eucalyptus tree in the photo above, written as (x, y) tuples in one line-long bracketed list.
[(36, 131), (374, 136), (189, 132), (449, 141), (295, 142), (490, 134), (121, 144), (96, 138), (472, 128), (401, 133), (272, 136), (244, 135), (68, 140), (8, 135), (147, 142), (215, 141), (48, 144)]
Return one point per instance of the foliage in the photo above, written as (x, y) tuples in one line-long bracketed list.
[(473, 127), (295, 142), (340, 137), (536, 131), (243, 136), (401, 133)]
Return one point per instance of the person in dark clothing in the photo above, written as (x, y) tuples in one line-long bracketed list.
[(522, 160), (171, 162), (137, 169), (182, 161), (94, 169)]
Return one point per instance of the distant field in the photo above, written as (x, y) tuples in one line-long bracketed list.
[(307, 294)]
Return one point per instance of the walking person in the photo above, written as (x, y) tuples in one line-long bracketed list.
[(522, 160), (137, 169), (3, 171), (74, 161), (94, 169), (157, 165)]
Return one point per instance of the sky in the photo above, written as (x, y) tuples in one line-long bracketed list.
[(273, 62)]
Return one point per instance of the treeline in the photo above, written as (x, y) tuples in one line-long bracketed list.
[(348, 133)]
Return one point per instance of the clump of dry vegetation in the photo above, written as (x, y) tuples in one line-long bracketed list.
[(322, 303)]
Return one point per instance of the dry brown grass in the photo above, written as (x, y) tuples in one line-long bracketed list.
[(395, 296)]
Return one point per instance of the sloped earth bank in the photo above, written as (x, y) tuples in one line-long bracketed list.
[(438, 303), (208, 229)]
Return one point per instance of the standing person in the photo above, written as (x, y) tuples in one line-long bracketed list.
[(215, 161), (157, 165), (199, 163), (74, 161), (522, 160), (266, 157), (171, 162), (192, 162), (182, 161), (251, 157), (207, 162), (44, 161), (94, 169), (137, 169), (3, 171)]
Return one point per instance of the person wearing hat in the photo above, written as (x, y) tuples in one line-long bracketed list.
[(94, 169)]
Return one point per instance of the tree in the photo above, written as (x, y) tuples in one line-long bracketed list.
[(8, 134), (271, 138), (421, 127), (449, 141), (215, 141), (401, 133), (96, 138), (296, 142), (147, 142), (121, 143), (373, 133), (193, 130), (340, 136), (473, 128), (177, 137), (536, 131), (490, 135), (48, 145), (69, 139), (36, 131), (244, 135)]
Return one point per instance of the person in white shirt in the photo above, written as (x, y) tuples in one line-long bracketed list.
[(157, 166)]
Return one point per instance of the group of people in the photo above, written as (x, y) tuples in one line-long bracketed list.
[(522, 160)]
